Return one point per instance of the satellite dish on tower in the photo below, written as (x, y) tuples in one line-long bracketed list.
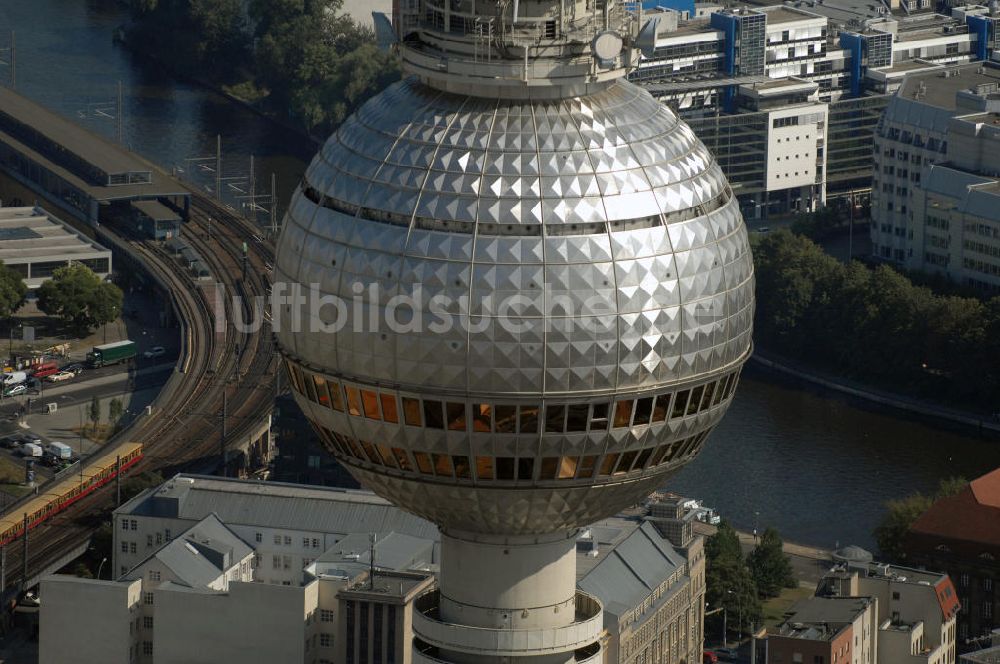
[(646, 41), (606, 47)]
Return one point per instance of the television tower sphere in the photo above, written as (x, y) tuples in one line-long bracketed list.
[(519, 293)]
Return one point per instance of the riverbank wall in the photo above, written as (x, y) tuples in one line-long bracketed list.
[(984, 426)]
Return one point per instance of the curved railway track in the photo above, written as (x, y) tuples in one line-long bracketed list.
[(184, 430)]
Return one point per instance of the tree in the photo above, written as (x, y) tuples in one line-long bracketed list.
[(115, 411), (12, 291), (80, 297), (728, 581), (81, 570), (901, 513), (94, 412), (133, 485), (770, 567)]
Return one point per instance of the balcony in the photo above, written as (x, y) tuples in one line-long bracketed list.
[(579, 635)]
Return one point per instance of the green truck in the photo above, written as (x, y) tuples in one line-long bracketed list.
[(119, 351)]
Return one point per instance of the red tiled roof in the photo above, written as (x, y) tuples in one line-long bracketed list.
[(986, 489), (971, 515)]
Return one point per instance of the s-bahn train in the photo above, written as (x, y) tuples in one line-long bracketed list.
[(62, 493)]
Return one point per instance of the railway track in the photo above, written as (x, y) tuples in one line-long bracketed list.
[(228, 363)]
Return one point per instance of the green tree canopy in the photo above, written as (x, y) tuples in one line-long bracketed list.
[(875, 324), (12, 291), (728, 580), (770, 567), (94, 412), (79, 297)]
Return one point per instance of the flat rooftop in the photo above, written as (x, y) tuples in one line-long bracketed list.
[(776, 15), (939, 87), (84, 157), (276, 504), (820, 618), (30, 234)]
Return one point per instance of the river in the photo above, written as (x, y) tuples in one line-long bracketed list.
[(817, 467)]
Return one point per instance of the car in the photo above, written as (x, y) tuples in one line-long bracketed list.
[(61, 376), (10, 442), (28, 437), (16, 390), (728, 654), (709, 657), (155, 351), (763, 229), (75, 368)]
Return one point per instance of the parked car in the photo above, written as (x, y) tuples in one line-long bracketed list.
[(16, 390), (61, 376), (28, 437), (31, 450), (728, 654), (45, 370), (10, 442), (155, 351), (75, 368)]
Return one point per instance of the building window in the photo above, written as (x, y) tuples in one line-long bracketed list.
[(987, 609), (315, 543), (305, 542), (259, 538), (166, 534), (895, 595), (131, 547), (964, 580), (147, 598), (288, 540), (276, 562), (124, 547), (147, 647), (154, 575), (147, 622), (277, 540), (133, 524), (326, 615), (124, 524), (988, 584), (325, 640)]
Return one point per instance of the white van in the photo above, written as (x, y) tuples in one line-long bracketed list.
[(14, 378), (59, 450), (31, 450)]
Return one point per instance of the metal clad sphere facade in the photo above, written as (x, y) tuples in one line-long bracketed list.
[(545, 304)]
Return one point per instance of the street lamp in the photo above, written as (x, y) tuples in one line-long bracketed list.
[(100, 567)]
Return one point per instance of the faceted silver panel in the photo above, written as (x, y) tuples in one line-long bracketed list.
[(585, 249)]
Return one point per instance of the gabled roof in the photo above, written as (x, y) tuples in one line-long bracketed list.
[(632, 570), (971, 516), (199, 555)]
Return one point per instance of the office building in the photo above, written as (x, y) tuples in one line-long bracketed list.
[(207, 596), (869, 613), (653, 594), (827, 630), (915, 610), (936, 197), (961, 534), (35, 244), (288, 525), (854, 55)]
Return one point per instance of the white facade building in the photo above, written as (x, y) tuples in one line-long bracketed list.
[(936, 195)]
